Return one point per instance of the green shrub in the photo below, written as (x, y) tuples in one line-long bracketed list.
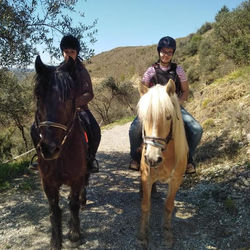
[(5, 145), (209, 123), (9, 171)]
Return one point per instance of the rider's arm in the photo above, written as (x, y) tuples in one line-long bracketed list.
[(147, 77), (184, 84), (184, 92), (87, 90)]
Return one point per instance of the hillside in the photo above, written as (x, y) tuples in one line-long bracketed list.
[(219, 96), (123, 63)]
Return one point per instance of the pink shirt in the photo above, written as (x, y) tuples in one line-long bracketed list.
[(150, 72)]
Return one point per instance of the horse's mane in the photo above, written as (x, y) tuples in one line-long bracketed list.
[(53, 79), (157, 105)]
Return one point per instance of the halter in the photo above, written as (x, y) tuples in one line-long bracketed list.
[(158, 142)]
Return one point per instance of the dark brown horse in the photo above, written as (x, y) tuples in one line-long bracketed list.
[(60, 144)]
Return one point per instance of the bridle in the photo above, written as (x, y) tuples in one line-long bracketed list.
[(158, 142), (67, 129)]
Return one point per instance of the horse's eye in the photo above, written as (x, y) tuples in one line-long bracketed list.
[(169, 117)]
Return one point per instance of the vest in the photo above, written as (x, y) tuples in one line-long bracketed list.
[(162, 77)]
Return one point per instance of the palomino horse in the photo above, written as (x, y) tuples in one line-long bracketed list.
[(164, 154), (60, 144)]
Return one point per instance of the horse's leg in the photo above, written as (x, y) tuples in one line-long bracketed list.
[(83, 195), (74, 206), (173, 187), (145, 210), (52, 194)]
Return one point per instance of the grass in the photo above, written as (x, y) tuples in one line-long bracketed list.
[(9, 171)]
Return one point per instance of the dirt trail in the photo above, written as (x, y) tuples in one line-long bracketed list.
[(208, 215)]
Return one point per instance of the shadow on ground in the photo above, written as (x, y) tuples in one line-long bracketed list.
[(204, 218)]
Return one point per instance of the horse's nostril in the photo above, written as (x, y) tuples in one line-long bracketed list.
[(159, 160), (48, 149)]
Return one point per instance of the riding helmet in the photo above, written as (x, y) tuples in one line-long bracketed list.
[(166, 42), (70, 42)]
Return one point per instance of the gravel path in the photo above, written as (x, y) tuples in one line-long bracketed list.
[(208, 215)]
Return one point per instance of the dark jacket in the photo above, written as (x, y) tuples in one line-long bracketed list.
[(84, 85)]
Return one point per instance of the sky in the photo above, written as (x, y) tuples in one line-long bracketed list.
[(144, 22)]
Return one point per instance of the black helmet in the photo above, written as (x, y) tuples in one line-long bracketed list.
[(70, 42), (166, 42)]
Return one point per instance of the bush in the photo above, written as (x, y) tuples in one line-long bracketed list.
[(232, 31), (9, 171), (114, 100), (204, 28), (193, 74), (5, 145), (193, 45), (209, 123)]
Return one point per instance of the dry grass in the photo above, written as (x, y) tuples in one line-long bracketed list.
[(223, 110)]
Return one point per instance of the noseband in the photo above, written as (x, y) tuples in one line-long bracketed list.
[(53, 124), (158, 142), (58, 125)]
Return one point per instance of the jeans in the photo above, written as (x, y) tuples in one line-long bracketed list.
[(193, 133), (135, 138), (192, 128)]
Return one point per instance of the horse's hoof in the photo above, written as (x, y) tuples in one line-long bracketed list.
[(168, 241), (74, 237), (142, 241), (75, 244)]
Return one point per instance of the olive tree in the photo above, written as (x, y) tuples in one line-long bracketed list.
[(25, 24)]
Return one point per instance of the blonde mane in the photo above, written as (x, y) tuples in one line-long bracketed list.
[(157, 105)]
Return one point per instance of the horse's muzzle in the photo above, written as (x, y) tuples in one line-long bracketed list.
[(49, 151), (153, 162)]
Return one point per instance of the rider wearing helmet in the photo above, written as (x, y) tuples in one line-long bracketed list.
[(160, 73), (70, 47)]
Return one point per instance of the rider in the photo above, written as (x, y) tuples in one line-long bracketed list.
[(70, 47), (160, 73)]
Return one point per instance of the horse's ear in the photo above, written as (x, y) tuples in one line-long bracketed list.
[(40, 66), (143, 89), (170, 87)]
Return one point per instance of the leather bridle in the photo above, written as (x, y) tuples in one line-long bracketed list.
[(67, 129), (158, 142)]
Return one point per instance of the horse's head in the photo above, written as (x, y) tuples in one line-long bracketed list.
[(156, 112), (55, 106)]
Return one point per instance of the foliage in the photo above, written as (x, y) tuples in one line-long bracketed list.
[(232, 32), (9, 171), (5, 145), (204, 28), (24, 24), (193, 45), (15, 102), (113, 100)]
